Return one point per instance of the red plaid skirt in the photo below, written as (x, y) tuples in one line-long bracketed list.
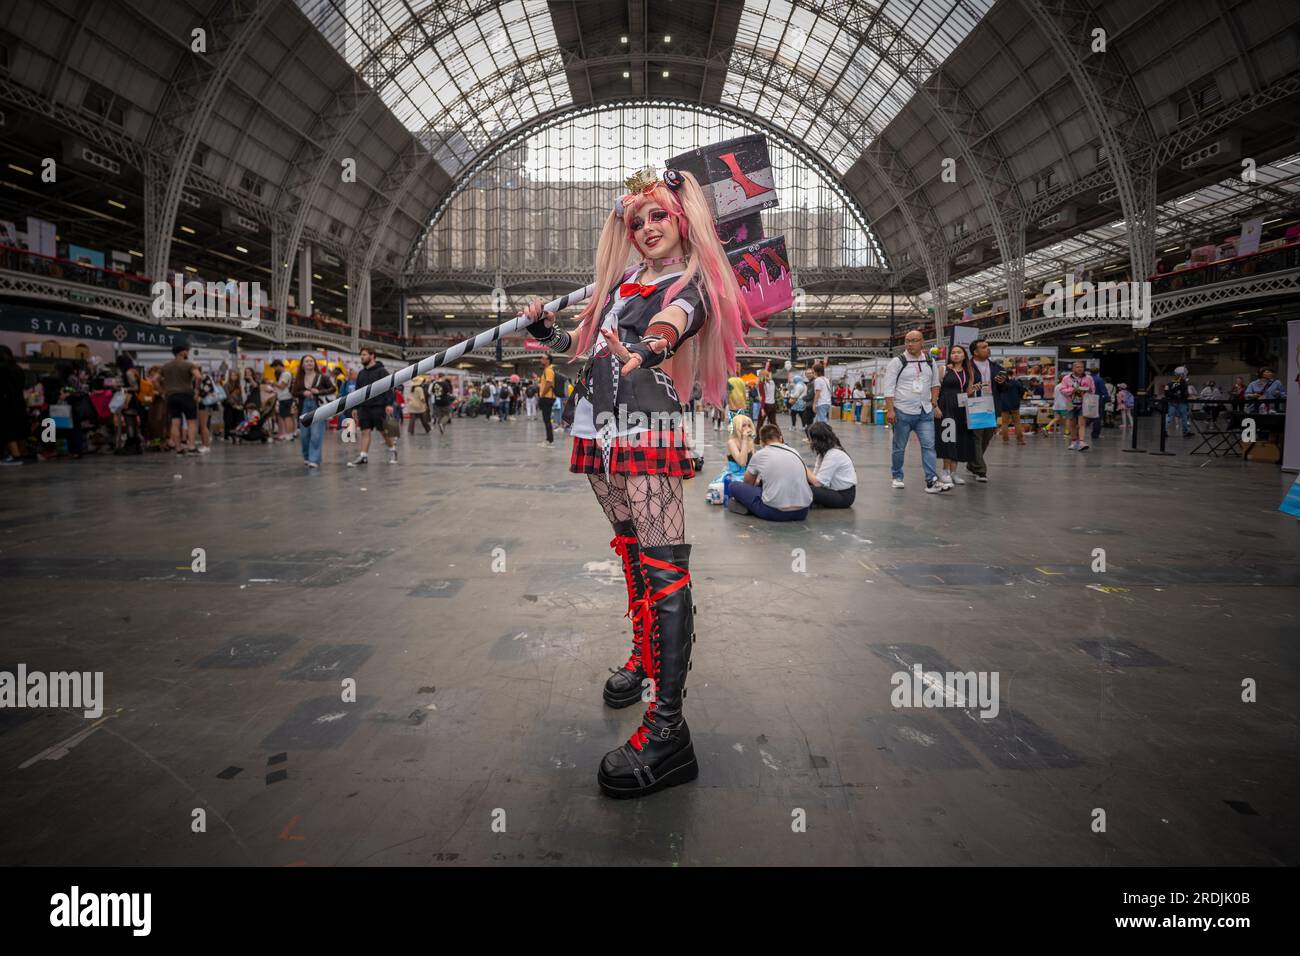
[(649, 453)]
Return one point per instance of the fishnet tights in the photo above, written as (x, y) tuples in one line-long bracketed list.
[(651, 502)]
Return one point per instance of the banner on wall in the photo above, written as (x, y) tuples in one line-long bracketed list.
[(1291, 373), (40, 236), (1251, 230)]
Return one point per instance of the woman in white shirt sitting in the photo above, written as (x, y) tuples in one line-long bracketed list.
[(834, 482)]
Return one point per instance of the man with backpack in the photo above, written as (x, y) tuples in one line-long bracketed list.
[(1176, 395), (911, 399)]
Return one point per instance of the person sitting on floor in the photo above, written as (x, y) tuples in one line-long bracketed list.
[(835, 482), (776, 483)]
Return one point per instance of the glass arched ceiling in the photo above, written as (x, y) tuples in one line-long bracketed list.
[(822, 39), (537, 205), (463, 74)]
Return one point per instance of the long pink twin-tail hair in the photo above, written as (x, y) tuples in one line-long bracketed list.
[(710, 355)]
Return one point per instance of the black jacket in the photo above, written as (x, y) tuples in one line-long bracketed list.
[(374, 374)]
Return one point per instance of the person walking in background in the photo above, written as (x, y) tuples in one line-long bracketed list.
[(530, 399), (312, 388), (1237, 395), (956, 442), (1074, 387), (858, 395), (911, 397), (374, 412), (15, 425), (546, 392), (209, 399), (767, 395), (180, 379), (1124, 405), (1177, 394), (417, 405), (989, 380), (232, 407), (834, 481), (284, 400), (1008, 406), (798, 399), (443, 394), (821, 395), (776, 482), (1103, 396)]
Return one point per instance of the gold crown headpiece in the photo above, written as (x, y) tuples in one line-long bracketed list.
[(641, 179)]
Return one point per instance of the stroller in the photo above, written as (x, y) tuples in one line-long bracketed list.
[(253, 427)]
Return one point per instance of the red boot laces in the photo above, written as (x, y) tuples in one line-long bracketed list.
[(620, 545), (646, 625)]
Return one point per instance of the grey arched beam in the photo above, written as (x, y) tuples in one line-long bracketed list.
[(302, 182), (1066, 26), (176, 143), (421, 30)]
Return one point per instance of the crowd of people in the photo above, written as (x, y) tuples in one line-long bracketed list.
[(182, 407)]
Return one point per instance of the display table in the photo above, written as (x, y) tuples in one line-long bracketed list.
[(1272, 422), (1215, 439)]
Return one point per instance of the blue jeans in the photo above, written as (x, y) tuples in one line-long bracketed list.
[(312, 438), (904, 424), (822, 413), (1178, 410), (751, 496)]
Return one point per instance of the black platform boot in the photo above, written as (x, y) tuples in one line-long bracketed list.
[(625, 683), (659, 754)]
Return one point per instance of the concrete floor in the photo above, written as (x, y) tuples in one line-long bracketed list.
[(478, 692)]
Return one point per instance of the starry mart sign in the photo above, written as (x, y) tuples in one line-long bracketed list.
[(52, 323)]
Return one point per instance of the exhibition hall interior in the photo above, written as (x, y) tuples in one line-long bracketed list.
[(656, 433)]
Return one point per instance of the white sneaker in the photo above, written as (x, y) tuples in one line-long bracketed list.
[(361, 459), (897, 483), (1074, 446), (982, 479), (312, 464), (204, 450), (392, 457), (1084, 446), (957, 479), (936, 486)]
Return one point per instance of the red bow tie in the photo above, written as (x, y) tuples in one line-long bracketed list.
[(629, 289)]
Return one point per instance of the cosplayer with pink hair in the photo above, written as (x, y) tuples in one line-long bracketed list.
[(649, 333)]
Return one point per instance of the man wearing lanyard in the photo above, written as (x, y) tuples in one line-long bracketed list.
[(911, 391), (989, 380)]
